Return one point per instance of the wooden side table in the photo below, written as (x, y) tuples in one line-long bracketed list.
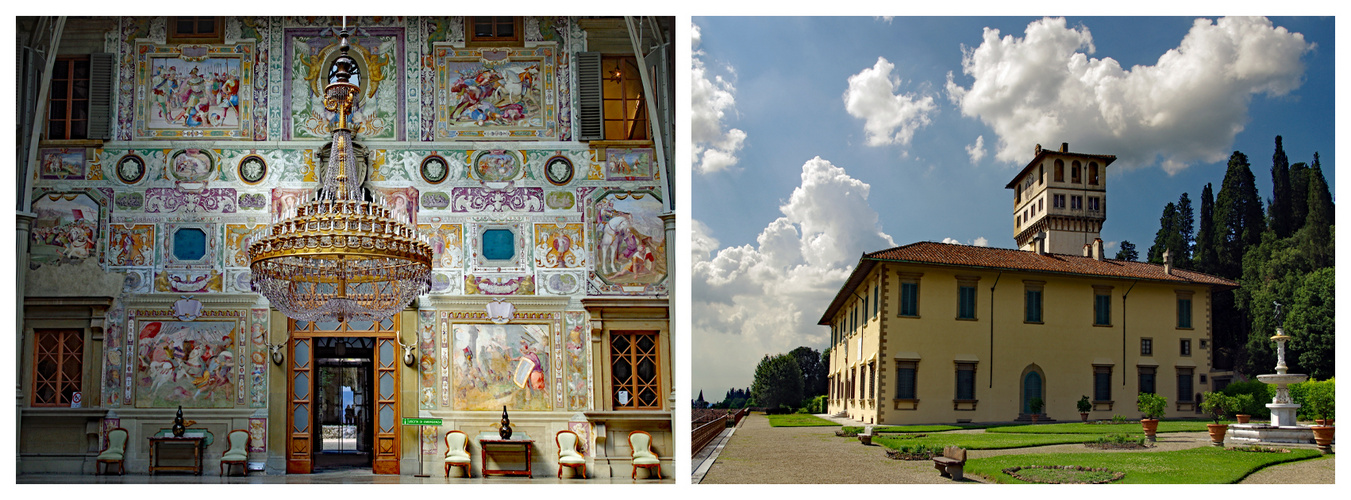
[(178, 449), (490, 446)]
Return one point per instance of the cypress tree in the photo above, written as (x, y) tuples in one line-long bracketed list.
[(1280, 213), (1316, 235), (1204, 254), (1299, 195), (1167, 232), (1185, 226), (1239, 221), (1320, 194)]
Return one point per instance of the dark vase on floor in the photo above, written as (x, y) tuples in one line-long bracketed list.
[(505, 429)]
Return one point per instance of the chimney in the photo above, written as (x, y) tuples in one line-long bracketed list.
[(1039, 242), (1167, 262), (1037, 151), (1088, 250), (1097, 248), (1064, 147)]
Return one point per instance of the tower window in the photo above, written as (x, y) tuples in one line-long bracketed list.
[(1074, 173), (1093, 173), (1059, 171)]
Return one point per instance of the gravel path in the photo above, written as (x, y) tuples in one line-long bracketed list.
[(1315, 471), (760, 454)]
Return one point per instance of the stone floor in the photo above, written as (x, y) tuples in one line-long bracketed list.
[(346, 476)]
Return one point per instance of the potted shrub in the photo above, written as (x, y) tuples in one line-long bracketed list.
[(1321, 400), (1152, 406), (1241, 403), (1217, 404), (1036, 404), (1084, 408)]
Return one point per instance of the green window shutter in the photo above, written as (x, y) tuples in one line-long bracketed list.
[(591, 121), (102, 70)]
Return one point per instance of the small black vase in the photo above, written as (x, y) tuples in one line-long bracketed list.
[(505, 429), (179, 428)]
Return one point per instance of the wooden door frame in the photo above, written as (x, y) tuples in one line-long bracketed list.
[(387, 443)]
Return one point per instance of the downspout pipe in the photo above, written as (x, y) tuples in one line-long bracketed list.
[(1123, 331), (996, 283)]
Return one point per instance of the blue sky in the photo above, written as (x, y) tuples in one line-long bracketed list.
[(795, 119)]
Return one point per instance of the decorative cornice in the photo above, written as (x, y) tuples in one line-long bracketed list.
[(209, 300), (478, 302)]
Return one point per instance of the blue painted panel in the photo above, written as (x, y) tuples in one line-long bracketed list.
[(189, 244), (499, 244)]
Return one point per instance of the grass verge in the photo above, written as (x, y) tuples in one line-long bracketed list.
[(983, 441), (799, 420), (1082, 428), (911, 428), (1204, 465)]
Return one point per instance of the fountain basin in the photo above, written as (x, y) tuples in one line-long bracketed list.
[(1270, 434), (1283, 378)]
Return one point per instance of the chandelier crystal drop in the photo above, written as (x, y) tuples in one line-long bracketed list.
[(340, 254)]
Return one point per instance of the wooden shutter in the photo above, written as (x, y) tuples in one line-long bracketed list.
[(102, 69), (589, 115)]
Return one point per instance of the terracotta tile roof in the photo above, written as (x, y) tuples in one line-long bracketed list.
[(944, 254)]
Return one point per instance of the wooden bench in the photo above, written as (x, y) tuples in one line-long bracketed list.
[(951, 463)]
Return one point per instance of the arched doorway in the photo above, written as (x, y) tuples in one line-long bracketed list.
[(1033, 386)]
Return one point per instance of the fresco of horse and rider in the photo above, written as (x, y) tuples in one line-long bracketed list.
[(188, 363), (630, 238)]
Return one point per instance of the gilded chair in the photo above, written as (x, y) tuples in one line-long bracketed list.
[(238, 454), (567, 453), (114, 451), (456, 453), (641, 443)]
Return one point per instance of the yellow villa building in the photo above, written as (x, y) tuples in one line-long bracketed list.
[(934, 332)]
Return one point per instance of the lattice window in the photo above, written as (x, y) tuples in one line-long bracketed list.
[(58, 366), (68, 101), (635, 369), (494, 29)]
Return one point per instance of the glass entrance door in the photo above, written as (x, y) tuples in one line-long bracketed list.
[(343, 401)]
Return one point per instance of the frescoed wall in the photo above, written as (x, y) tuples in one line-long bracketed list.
[(630, 245), (188, 363), (500, 365)]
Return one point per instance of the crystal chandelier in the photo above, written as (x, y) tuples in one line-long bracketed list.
[(340, 255)]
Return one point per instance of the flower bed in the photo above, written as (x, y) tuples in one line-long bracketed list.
[(920, 452), (1064, 474), (1252, 448)]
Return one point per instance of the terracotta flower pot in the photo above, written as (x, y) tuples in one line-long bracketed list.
[(1034, 418), (1322, 434), (1217, 432), (1151, 426), (1242, 419), (1083, 415)]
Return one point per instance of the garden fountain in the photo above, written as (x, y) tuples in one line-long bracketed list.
[(1283, 429)]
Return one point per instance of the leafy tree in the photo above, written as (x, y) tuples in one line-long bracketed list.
[(1280, 210), (1127, 252), (1271, 272), (1204, 253), (1311, 324), (1316, 236), (813, 371), (1239, 221), (778, 382)]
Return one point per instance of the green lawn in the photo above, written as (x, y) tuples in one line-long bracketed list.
[(1194, 465), (799, 420), (1082, 428), (912, 428), (982, 441)]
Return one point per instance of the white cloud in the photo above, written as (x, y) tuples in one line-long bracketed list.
[(889, 117), (714, 148), (976, 151), (886, 19), (981, 242), (766, 297), (951, 241), (1186, 108)]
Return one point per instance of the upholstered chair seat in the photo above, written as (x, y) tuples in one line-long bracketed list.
[(456, 454), (567, 453), (641, 444), (114, 451), (238, 454)]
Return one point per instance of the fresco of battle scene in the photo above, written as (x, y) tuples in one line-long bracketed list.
[(500, 365), (189, 363)]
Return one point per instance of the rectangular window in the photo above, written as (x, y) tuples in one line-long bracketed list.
[(876, 290), (1058, 201), (635, 370), (58, 366), (1102, 310), (909, 299), (1074, 173), (1146, 347), (68, 99), (624, 106), (1186, 347), (865, 310), (1033, 306), (966, 302), (493, 29), (966, 381), (1093, 203), (1146, 379), (1077, 202), (194, 28), (1184, 385), (905, 379), (1102, 383), (1184, 313), (1093, 173), (872, 380)]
